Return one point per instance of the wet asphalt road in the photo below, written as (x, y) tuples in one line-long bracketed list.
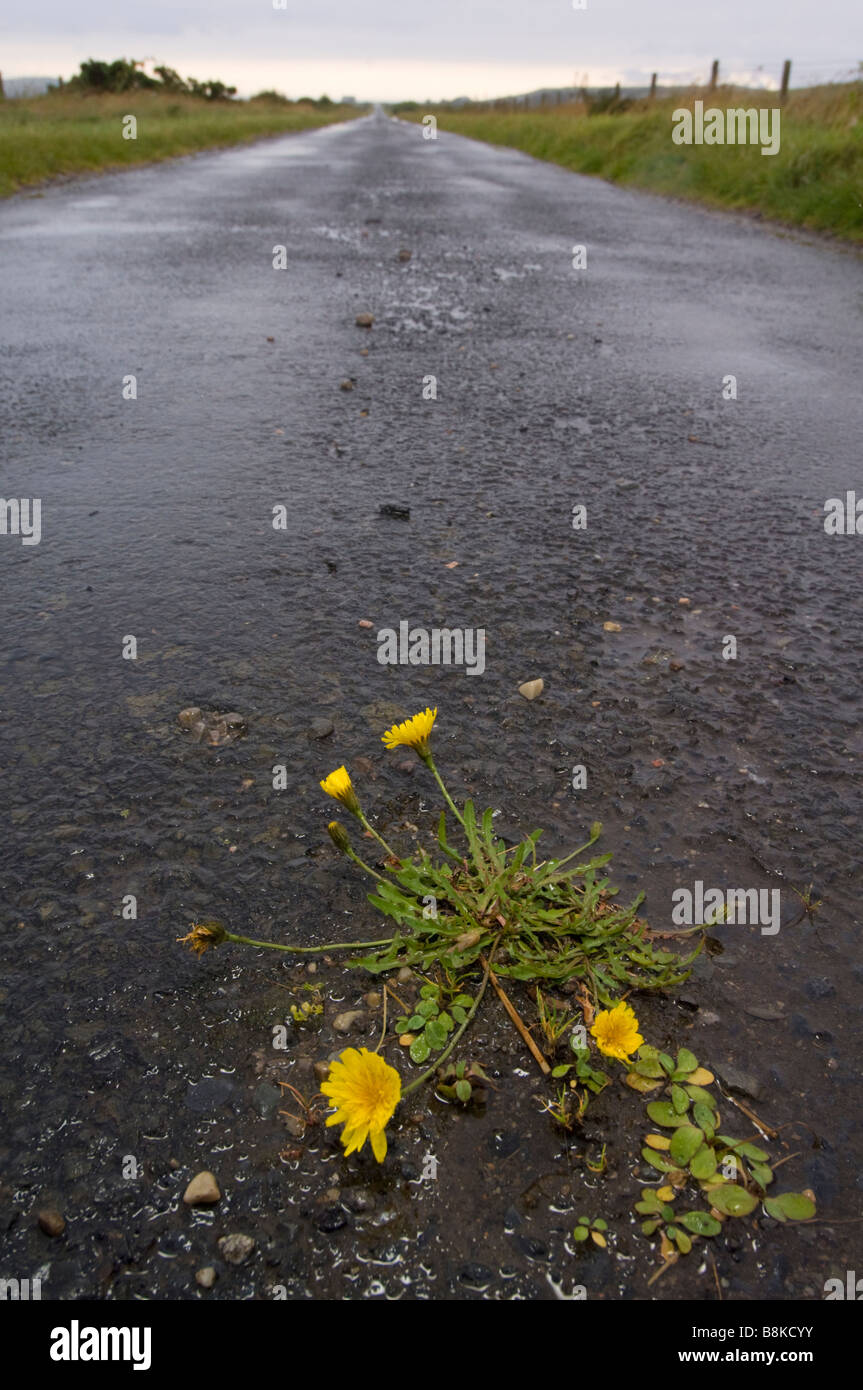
[(555, 387)]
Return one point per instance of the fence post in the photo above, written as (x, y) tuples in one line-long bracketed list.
[(786, 77), (714, 74), (652, 96)]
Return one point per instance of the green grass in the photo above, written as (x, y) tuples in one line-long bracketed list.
[(815, 181), (65, 133)]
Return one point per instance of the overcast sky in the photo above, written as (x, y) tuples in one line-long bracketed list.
[(391, 49)]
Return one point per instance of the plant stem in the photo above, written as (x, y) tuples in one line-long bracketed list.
[(523, 1033), (381, 841), (430, 764), (308, 950), (455, 1037), (384, 1024), (352, 854)]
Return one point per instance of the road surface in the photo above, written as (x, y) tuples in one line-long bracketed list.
[(554, 388)]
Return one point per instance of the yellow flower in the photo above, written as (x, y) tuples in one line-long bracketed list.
[(338, 786), (204, 936), (365, 1091), (413, 733), (616, 1032)]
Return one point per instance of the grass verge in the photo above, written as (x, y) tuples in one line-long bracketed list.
[(64, 133), (814, 181)]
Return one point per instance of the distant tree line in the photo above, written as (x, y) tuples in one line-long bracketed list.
[(127, 75)]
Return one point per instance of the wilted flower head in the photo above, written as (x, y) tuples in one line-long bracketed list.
[(616, 1032), (413, 733), (338, 786), (365, 1091), (204, 936)]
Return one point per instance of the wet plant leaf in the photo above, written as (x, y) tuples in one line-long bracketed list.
[(419, 1050), (752, 1151), (637, 1082), (663, 1113), (684, 1244), (435, 1034), (698, 1093), (651, 1202), (679, 1100), (705, 1118), (657, 1160), (762, 1173), (655, 1141), (790, 1206), (701, 1223), (701, 1077), (686, 1060), (464, 1091), (703, 1163), (733, 1200), (685, 1143)]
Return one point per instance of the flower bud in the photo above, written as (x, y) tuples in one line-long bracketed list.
[(339, 836)]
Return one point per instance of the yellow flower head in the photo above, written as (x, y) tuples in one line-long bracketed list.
[(365, 1091), (616, 1032), (204, 936), (413, 733), (338, 786)]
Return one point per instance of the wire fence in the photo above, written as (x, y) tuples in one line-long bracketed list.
[(775, 75)]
